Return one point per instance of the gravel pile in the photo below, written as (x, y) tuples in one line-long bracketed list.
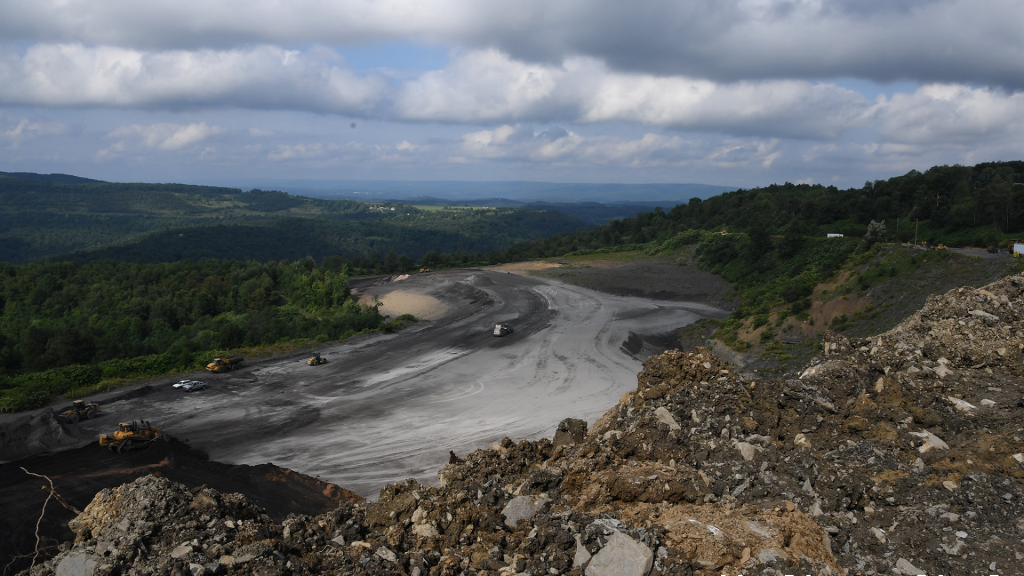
[(897, 454)]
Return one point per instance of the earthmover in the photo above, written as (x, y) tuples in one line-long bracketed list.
[(316, 360), (79, 411), (503, 328), (127, 437), (224, 364)]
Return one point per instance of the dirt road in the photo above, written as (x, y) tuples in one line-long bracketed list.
[(390, 407)]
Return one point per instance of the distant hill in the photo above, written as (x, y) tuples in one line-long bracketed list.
[(666, 195), (295, 238), (65, 178), (41, 218)]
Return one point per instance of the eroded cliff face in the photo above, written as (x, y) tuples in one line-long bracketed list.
[(901, 453)]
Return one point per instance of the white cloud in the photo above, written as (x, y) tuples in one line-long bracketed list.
[(557, 145), (953, 41), (944, 113), (254, 77), (26, 129), (168, 136), (112, 152), (481, 86), (296, 151), (490, 86)]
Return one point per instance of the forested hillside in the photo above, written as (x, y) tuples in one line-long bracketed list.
[(371, 240), (68, 326), (977, 205), (55, 216), (771, 241)]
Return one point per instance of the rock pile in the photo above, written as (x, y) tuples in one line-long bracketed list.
[(898, 454)]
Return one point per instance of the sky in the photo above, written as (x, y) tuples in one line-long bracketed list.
[(729, 92)]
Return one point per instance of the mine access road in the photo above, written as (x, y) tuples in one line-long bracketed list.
[(390, 406)]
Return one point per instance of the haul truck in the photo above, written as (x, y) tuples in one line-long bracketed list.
[(224, 364)]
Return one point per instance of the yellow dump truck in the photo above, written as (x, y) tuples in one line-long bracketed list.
[(224, 364)]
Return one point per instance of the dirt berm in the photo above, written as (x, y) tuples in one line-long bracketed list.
[(897, 454)]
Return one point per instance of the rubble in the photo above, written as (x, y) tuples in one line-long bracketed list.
[(869, 463)]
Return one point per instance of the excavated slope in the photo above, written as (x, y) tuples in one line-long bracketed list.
[(897, 454)]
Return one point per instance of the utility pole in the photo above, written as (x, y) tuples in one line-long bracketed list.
[(916, 222), (897, 228)]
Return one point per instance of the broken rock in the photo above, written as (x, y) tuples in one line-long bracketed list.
[(931, 441), (621, 556), (665, 417), (906, 568), (746, 450), (570, 431), (520, 508), (77, 564)]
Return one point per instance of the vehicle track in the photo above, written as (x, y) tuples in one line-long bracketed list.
[(390, 407)]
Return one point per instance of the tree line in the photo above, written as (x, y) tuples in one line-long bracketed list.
[(65, 325)]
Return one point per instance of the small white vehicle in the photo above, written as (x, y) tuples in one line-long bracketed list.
[(190, 385), (503, 328)]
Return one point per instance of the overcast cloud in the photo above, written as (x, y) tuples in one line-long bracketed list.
[(740, 92)]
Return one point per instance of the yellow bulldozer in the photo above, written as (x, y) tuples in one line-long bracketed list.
[(129, 436), (79, 411), (316, 360)]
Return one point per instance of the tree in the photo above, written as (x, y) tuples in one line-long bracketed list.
[(876, 233)]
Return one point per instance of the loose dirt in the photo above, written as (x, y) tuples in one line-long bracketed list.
[(527, 267), (674, 277), (399, 302)]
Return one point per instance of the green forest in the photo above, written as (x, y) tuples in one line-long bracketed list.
[(371, 242), (265, 268), (72, 328), (64, 217), (980, 205), (771, 242)]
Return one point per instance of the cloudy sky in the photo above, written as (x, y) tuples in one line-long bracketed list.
[(731, 92)]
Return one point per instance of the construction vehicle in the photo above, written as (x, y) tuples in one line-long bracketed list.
[(1016, 248), (137, 434), (503, 328), (79, 411), (941, 247), (316, 360), (224, 364)]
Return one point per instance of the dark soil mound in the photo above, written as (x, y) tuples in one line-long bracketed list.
[(80, 473)]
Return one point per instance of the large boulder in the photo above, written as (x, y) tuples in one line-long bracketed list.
[(621, 556), (570, 431)]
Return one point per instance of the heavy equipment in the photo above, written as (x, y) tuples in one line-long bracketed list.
[(224, 364), (503, 328), (316, 360), (130, 436), (79, 411)]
